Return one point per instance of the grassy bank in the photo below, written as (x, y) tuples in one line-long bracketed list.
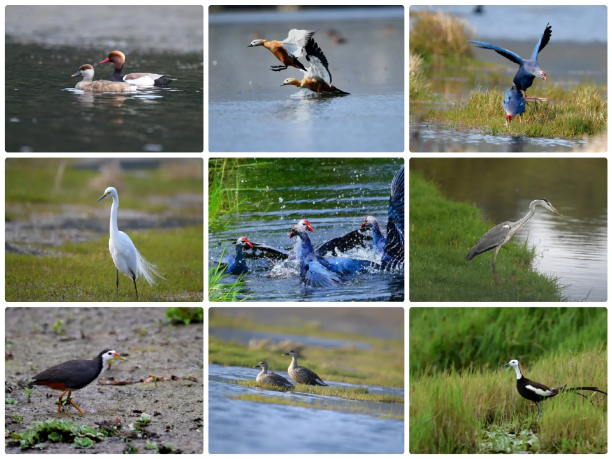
[(319, 405), (86, 272), (459, 337), (480, 411), (381, 366), (575, 113), (442, 233), (349, 393)]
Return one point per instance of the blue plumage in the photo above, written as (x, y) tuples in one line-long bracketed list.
[(529, 68), (513, 104), (379, 239), (393, 254), (237, 265)]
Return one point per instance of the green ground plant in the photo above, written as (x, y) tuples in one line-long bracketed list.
[(86, 272), (454, 412), (442, 233), (574, 113)]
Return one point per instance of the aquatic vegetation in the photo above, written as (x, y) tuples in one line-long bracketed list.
[(578, 112), (417, 82)]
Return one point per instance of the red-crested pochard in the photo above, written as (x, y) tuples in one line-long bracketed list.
[(137, 79), (87, 72)]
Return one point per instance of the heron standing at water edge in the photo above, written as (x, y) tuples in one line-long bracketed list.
[(498, 236)]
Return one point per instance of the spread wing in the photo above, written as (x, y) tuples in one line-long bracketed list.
[(318, 62), (544, 39)]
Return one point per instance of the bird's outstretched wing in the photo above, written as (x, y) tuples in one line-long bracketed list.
[(318, 62), (344, 243), (393, 255), (296, 41), (544, 39), (504, 52)]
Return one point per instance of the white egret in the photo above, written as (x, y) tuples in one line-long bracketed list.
[(125, 255)]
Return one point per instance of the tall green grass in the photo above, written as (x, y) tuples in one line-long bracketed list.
[(443, 338), (452, 412), (442, 233)]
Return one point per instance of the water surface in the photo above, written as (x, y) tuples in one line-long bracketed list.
[(334, 195), (250, 111), (237, 426)]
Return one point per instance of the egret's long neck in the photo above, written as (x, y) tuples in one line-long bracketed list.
[(526, 218), (518, 372), (113, 219)]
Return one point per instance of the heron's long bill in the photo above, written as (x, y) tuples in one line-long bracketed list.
[(556, 211)]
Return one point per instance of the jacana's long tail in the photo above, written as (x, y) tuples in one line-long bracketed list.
[(594, 389)]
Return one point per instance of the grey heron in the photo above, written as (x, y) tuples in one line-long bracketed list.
[(498, 236)]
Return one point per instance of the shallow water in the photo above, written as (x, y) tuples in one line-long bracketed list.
[(237, 426), (572, 247), (335, 196), (44, 113), (250, 111), (245, 336)]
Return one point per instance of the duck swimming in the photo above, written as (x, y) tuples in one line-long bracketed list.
[(137, 79), (318, 77), (288, 50), (87, 72)]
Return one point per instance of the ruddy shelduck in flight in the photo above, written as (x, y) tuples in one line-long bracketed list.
[(318, 77), (289, 50)]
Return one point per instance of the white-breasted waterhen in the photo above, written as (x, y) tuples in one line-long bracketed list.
[(537, 392), (75, 374)]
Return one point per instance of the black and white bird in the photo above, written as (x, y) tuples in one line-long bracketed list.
[(537, 392)]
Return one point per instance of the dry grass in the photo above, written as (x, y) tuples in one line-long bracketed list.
[(418, 83), (440, 34)]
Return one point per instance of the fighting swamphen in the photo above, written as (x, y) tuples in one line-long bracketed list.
[(514, 104), (529, 68), (393, 254), (237, 264), (379, 239)]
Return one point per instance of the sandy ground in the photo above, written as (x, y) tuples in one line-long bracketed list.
[(151, 346)]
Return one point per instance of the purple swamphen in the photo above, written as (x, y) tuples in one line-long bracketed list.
[(529, 68), (379, 239), (237, 264), (514, 104), (314, 271), (393, 254)]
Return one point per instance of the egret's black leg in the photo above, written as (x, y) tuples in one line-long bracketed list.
[(117, 282), (135, 288)]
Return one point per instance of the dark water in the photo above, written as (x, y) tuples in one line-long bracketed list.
[(237, 426), (46, 45), (250, 111), (572, 247), (576, 53), (334, 195)]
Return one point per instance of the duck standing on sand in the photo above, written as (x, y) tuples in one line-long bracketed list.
[(87, 84)]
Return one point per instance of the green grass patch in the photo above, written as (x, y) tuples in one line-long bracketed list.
[(455, 413), (441, 235), (350, 393), (442, 338), (219, 291), (575, 113), (86, 272), (380, 366), (55, 181), (319, 405)]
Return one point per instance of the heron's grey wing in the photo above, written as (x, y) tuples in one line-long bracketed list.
[(490, 240)]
